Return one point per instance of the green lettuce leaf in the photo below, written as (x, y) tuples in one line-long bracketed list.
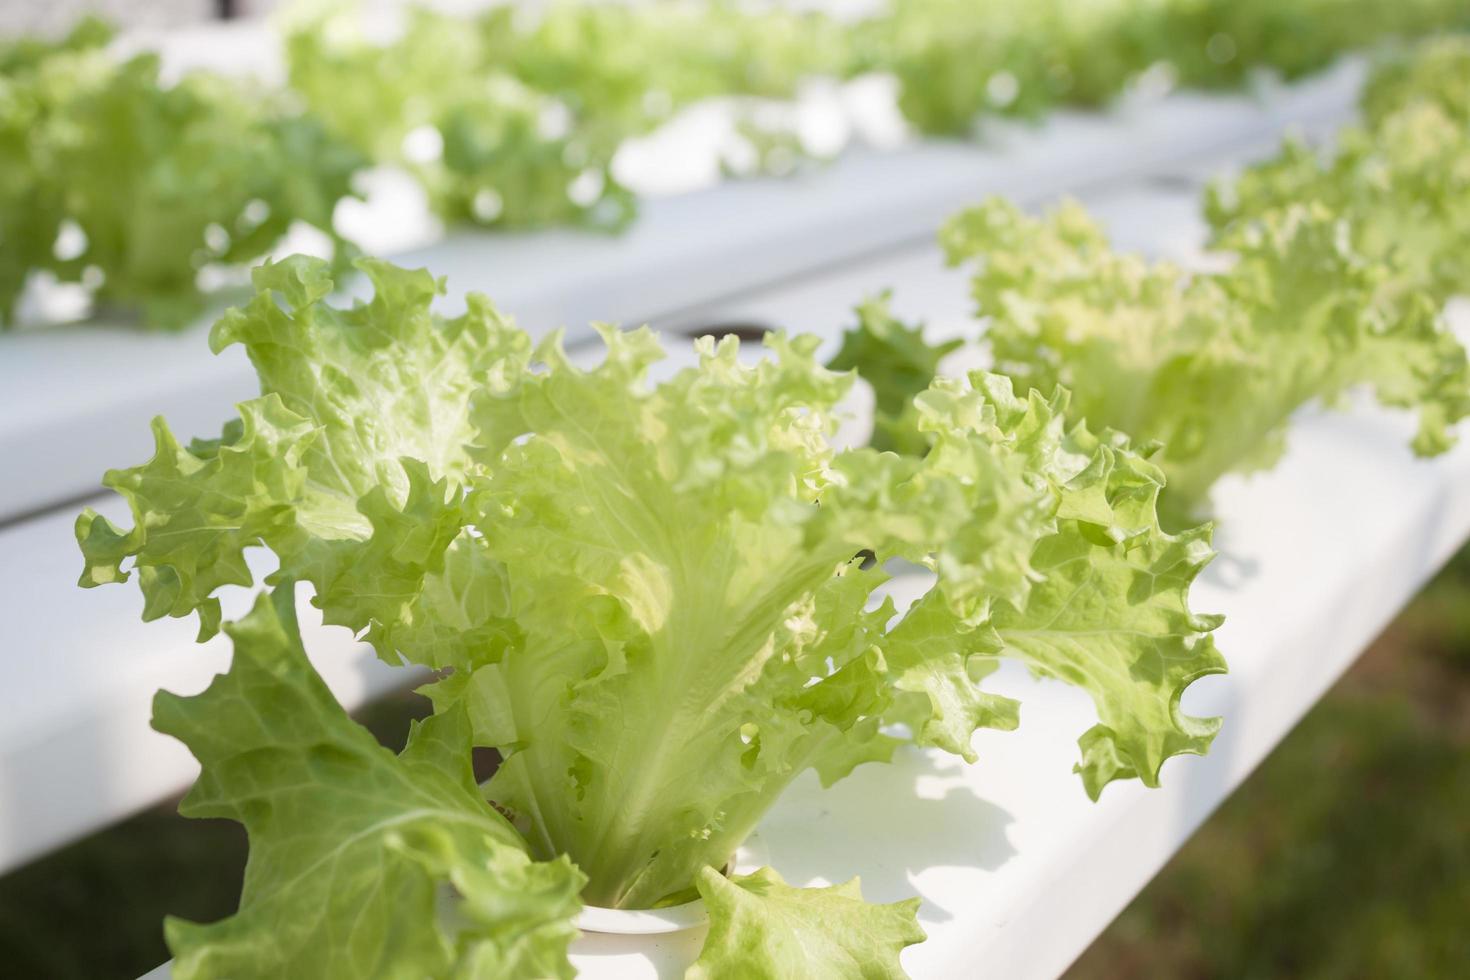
[(763, 929), (1109, 588), (898, 363), (362, 863), (1099, 606), (574, 547), (344, 466), (1211, 365)]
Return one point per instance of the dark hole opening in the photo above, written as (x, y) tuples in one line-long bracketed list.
[(746, 332), (484, 762), (1175, 182)]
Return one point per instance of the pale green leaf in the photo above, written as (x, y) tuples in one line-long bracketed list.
[(362, 863), (764, 929)]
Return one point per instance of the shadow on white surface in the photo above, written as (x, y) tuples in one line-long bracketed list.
[(848, 829)]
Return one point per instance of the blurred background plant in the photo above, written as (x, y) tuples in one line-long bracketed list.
[(146, 193)]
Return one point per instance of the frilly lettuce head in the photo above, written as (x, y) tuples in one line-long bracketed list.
[(1402, 180), (1219, 43), (1341, 262), (957, 61), (512, 117), (662, 602), (1405, 187), (1436, 70), (1211, 365), (31, 209), (112, 177)]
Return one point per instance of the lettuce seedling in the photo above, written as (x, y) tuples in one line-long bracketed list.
[(1222, 43), (1212, 365), (1341, 263), (1402, 180), (663, 602), (130, 185), (958, 61), (513, 117)]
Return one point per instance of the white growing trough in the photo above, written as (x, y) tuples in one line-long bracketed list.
[(1017, 870)]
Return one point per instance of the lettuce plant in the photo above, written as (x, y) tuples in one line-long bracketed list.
[(1211, 365), (523, 112), (1341, 262), (660, 602), (1220, 43), (957, 61), (1402, 179), (897, 363), (130, 186), (31, 209), (1437, 71)]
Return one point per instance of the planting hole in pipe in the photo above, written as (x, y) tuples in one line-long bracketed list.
[(647, 922), (1175, 182), (747, 332), (751, 855)]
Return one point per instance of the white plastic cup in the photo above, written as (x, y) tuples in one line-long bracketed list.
[(642, 922), (675, 918)]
